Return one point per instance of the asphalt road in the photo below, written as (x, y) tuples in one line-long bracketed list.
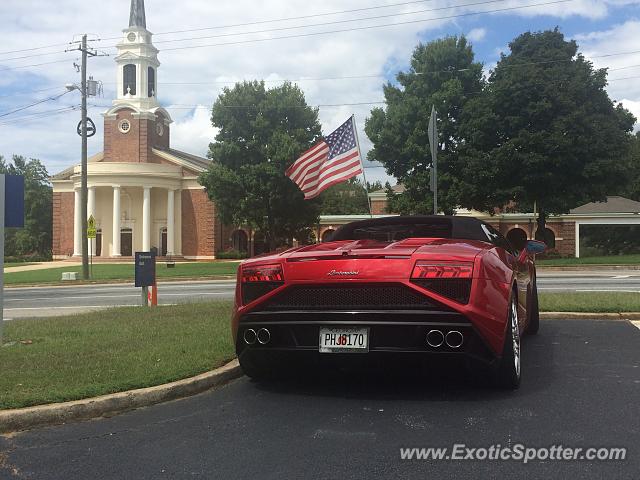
[(581, 384), (48, 301)]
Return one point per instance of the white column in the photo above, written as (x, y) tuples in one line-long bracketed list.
[(91, 210), (115, 243), (577, 240), (178, 223), (77, 224), (171, 231), (146, 219)]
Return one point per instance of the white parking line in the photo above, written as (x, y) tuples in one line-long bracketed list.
[(636, 323), (622, 276), (610, 290)]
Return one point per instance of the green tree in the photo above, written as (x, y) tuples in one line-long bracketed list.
[(633, 189), (543, 131), (261, 132), (35, 237), (443, 74), (347, 198)]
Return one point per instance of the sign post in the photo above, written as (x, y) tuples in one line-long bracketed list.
[(145, 273), (91, 234), (11, 215)]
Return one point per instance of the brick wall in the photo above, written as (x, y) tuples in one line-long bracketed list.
[(198, 224), (136, 145), (379, 207), (63, 205)]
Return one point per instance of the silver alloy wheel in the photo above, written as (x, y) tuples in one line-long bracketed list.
[(515, 336)]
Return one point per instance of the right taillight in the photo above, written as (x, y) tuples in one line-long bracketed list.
[(258, 280), (449, 279)]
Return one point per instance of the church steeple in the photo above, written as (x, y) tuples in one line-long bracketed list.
[(137, 62), (137, 17)]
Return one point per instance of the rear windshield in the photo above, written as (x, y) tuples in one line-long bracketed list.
[(393, 233)]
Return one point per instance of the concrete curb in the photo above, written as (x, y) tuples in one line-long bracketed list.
[(57, 413), (590, 316), (585, 267)]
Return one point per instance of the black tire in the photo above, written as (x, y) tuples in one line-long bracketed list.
[(534, 315), (508, 373), (252, 369)]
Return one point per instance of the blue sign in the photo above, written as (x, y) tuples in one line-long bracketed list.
[(13, 201), (145, 269)]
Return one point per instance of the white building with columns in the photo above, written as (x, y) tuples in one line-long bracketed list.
[(142, 193)]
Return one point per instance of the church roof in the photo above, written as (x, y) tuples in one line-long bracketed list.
[(137, 18), (187, 160), (613, 204)]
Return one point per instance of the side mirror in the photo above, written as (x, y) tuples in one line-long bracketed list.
[(535, 246)]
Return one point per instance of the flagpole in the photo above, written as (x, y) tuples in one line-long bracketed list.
[(366, 189)]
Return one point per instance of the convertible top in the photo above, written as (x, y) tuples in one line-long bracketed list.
[(444, 226)]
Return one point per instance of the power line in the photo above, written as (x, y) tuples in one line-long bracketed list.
[(260, 22), (484, 2), (33, 104), (369, 27), (37, 64), (38, 115), (335, 22)]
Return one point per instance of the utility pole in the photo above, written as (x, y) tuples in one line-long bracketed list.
[(84, 134), (84, 194), (433, 142)]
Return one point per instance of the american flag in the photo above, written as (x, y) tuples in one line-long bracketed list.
[(333, 160)]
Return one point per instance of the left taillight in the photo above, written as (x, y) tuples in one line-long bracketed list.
[(258, 280), (449, 279)]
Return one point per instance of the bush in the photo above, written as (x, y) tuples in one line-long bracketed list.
[(232, 255), (31, 258)]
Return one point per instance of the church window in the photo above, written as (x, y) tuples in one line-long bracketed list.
[(129, 79), (151, 79), (124, 126)]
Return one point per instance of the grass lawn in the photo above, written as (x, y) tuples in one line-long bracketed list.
[(116, 271), (109, 351), (611, 260), (612, 302)]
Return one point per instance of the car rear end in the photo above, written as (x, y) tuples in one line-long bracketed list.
[(420, 296)]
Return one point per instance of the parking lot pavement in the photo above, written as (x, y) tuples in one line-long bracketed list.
[(580, 388)]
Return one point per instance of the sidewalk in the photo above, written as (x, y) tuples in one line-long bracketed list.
[(42, 266)]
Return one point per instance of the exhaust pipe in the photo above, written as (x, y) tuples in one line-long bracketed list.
[(263, 336), (454, 339), (249, 336), (435, 338)]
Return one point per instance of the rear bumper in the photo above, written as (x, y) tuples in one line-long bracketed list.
[(390, 332)]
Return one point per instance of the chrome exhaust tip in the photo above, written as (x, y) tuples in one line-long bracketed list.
[(454, 339), (435, 338), (249, 336), (263, 336)]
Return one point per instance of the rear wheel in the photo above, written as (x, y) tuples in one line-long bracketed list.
[(508, 373), (534, 314)]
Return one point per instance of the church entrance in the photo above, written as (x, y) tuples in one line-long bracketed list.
[(98, 251), (163, 242), (126, 242)]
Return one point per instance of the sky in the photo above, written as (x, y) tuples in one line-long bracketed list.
[(340, 53)]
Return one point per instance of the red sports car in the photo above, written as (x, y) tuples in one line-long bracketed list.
[(420, 285)]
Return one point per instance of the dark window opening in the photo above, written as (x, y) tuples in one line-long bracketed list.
[(129, 79), (151, 82)]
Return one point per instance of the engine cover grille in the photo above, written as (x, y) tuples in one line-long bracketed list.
[(455, 289), (352, 297)]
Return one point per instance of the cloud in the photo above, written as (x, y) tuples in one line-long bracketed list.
[(602, 47), (196, 76), (477, 34), (194, 132)]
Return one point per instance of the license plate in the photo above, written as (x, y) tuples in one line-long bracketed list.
[(341, 340)]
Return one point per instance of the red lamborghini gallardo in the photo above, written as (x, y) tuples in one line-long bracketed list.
[(418, 285)]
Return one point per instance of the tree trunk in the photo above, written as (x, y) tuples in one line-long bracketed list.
[(540, 231)]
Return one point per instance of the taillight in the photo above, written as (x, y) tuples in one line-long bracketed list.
[(449, 279), (262, 273), (260, 280), (442, 270)]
